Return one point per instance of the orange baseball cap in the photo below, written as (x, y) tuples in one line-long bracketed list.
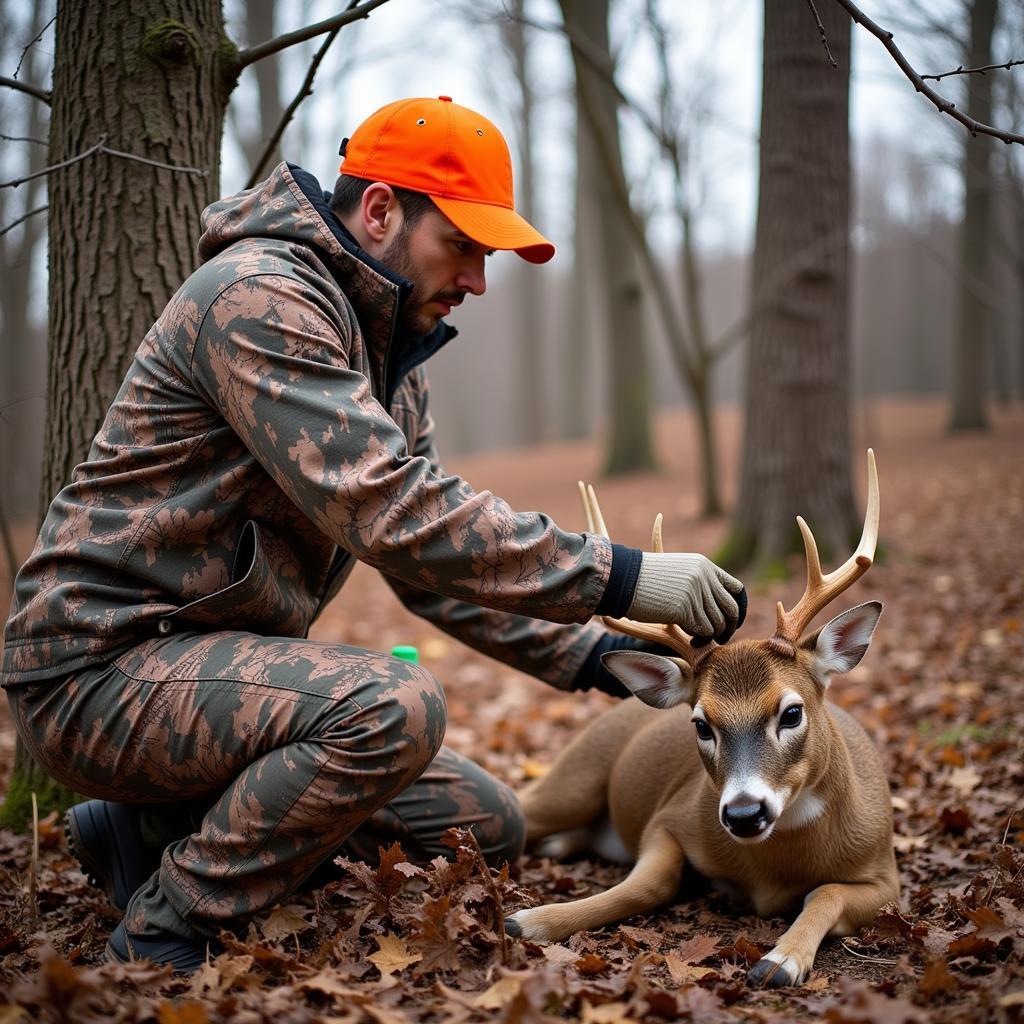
[(455, 156)]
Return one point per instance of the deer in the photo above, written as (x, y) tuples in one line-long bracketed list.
[(730, 761)]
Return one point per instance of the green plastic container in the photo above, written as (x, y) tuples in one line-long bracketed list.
[(405, 652)]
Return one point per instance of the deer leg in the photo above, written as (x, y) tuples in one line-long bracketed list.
[(832, 909), (653, 881)]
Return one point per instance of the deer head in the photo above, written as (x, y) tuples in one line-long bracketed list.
[(759, 717)]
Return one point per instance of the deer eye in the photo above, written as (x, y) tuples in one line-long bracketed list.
[(703, 729), (792, 717)]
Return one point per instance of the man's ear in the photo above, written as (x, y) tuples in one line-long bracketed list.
[(657, 681), (840, 644), (378, 210)]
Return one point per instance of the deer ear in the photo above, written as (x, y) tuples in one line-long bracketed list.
[(657, 681), (840, 644)]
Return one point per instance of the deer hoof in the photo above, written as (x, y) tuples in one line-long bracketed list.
[(775, 971), (512, 927)]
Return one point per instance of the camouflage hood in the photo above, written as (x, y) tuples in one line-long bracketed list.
[(290, 206)]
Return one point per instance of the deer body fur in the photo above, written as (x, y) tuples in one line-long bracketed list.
[(830, 846)]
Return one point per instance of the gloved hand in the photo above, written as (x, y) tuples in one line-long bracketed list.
[(690, 591)]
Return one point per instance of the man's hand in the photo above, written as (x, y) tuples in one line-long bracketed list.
[(690, 591)]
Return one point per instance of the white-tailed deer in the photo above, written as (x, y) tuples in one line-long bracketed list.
[(733, 762)]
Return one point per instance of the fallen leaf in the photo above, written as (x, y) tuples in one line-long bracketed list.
[(556, 954), (282, 922), (502, 992), (534, 769), (907, 844), (964, 780), (682, 971), (699, 948), (606, 1013), (590, 964), (392, 955), (182, 1013), (936, 978)]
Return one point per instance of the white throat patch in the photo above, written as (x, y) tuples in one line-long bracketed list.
[(802, 811)]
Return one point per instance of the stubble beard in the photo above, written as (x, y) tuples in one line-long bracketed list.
[(396, 257)]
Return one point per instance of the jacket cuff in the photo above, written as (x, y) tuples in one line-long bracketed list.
[(618, 594)]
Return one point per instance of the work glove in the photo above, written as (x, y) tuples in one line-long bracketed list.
[(690, 591)]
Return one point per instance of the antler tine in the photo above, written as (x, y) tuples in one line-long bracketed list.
[(656, 542), (669, 634), (822, 590)]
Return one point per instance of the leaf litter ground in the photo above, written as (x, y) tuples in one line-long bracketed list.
[(940, 692)]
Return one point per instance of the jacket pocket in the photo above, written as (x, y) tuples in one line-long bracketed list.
[(258, 599)]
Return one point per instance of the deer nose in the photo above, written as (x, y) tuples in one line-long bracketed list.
[(745, 817)]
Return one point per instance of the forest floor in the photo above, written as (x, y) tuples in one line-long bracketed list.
[(940, 692)]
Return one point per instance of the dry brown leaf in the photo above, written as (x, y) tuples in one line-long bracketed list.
[(284, 921), (559, 955), (683, 972), (392, 955), (936, 978), (591, 963), (327, 982), (606, 1013), (907, 844), (964, 780), (698, 948), (534, 769), (12, 1014), (502, 992)]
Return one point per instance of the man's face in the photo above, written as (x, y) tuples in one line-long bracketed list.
[(443, 265)]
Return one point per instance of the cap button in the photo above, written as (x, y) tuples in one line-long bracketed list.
[(447, 99)]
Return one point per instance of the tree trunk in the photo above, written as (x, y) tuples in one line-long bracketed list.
[(629, 442), (580, 330), (150, 77), (259, 26), (530, 349), (972, 345), (796, 457)]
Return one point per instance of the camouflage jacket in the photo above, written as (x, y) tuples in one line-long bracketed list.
[(273, 428)]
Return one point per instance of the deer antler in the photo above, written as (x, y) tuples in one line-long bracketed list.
[(821, 590), (669, 634)]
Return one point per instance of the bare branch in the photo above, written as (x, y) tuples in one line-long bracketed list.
[(971, 71), (180, 168), (32, 42), (305, 90), (255, 53), (23, 138), (23, 217), (945, 106), (821, 30), (31, 90), (101, 147)]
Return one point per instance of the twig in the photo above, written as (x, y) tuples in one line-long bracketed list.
[(24, 217), (33, 870), (945, 106), (154, 163), (255, 53), (55, 167), (1009, 822), (821, 29), (31, 90), (101, 147), (864, 956), (971, 71), (32, 42), (305, 90), (495, 895), (23, 138)]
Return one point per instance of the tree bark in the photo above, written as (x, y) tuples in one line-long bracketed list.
[(972, 346), (796, 457), (530, 354), (150, 77), (629, 445)]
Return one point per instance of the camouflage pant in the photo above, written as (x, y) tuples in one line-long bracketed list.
[(269, 754)]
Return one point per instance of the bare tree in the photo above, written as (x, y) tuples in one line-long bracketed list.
[(629, 442), (972, 346), (796, 452)]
